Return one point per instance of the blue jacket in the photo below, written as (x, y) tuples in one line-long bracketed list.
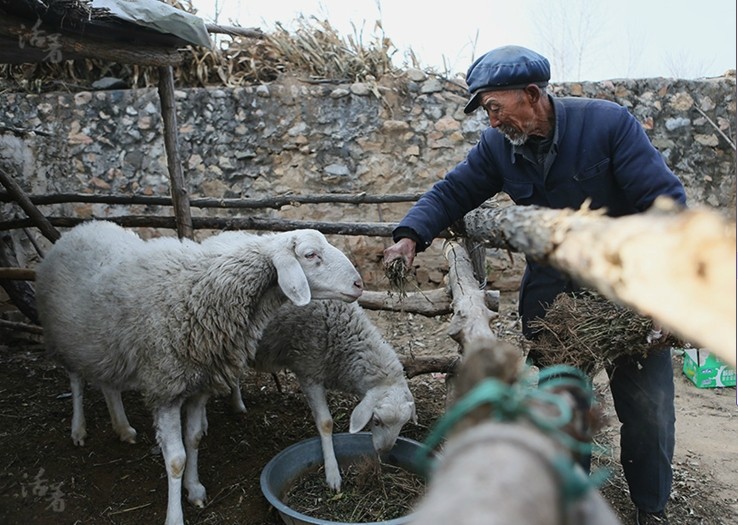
[(599, 151)]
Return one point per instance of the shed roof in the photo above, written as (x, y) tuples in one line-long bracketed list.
[(53, 30)]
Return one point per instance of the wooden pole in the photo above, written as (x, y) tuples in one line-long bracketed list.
[(674, 265), (430, 303), (180, 195), (267, 202), (27, 206), (223, 223)]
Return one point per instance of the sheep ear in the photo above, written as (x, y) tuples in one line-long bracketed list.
[(362, 414), (292, 279)]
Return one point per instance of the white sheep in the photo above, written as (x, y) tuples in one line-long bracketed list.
[(332, 345), (173, 321)]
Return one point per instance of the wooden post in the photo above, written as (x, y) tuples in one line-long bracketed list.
[(180, 196)]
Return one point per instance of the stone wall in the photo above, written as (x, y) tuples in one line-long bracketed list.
[(396, 136)]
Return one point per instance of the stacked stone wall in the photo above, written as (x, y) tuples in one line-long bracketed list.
[(396, 136)]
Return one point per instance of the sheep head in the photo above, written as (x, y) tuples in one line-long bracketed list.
[(309, 267), (385, 409)]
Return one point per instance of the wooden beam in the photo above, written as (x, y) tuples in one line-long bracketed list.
[(674, 265), (16, 47), (266, 202), (17, 274), (222, 223), (248, 32), (180, 195), (415, 366), (21, 327), (38, 218), (430, 303)]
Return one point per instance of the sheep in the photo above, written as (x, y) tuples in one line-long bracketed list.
[(334, 345), (174, 321)]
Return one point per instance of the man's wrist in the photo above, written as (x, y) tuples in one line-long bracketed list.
[(404, 232)]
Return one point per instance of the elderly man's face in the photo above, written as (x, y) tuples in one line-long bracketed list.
[(511, 112)]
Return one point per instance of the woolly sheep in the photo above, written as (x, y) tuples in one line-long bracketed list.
[(334, 345), (173, 321)]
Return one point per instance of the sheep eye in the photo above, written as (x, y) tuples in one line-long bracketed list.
[(377, 422), (311, 255)]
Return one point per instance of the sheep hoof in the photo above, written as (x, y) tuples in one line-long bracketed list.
[(333, 483), (78, 438), (128, 436), (197, 495)]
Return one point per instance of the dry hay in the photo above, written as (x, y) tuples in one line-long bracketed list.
[(397, 275), (371, 491), (589, 332), (315, 51)]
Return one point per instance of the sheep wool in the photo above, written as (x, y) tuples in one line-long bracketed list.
[(332, 345), (175, 320)]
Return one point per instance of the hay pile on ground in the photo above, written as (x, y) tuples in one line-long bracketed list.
[(371, 492), (589, 332)]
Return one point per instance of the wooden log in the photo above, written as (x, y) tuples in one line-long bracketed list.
[(180, 196), (21, 327), (268, 202), (17, 274), (674, 265), (35, 215), (248, 32), (430, 303), (509, 471), (505, 473), (470, 324), (415, 366), (21, 294), (222, 223)]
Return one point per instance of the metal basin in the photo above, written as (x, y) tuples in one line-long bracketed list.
[(296, 459)]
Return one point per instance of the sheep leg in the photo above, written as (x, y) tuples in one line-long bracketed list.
[(79, 426), (237, 403), (118, 417), (168, 424), (196, 427), (316, 398)]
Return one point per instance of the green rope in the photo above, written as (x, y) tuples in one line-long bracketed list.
[(512, 402)]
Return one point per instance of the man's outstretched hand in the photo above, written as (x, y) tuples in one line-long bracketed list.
[(404, 248)]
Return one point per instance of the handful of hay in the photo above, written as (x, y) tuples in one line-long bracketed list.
[(397, 274), (589, 332)]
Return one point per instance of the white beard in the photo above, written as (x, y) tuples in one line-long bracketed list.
[(513, 136)]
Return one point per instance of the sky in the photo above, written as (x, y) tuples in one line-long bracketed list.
[(583, 39)]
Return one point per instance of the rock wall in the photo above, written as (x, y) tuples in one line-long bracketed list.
[(395, 136)]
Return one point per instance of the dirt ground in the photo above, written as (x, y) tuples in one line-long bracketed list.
[(45, 479)]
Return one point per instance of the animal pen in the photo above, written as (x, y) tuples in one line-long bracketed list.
[(634, 260)]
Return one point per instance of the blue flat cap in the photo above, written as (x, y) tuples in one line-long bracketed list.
[(507, 67)]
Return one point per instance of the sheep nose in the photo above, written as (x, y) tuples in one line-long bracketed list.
[(359, 283)]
